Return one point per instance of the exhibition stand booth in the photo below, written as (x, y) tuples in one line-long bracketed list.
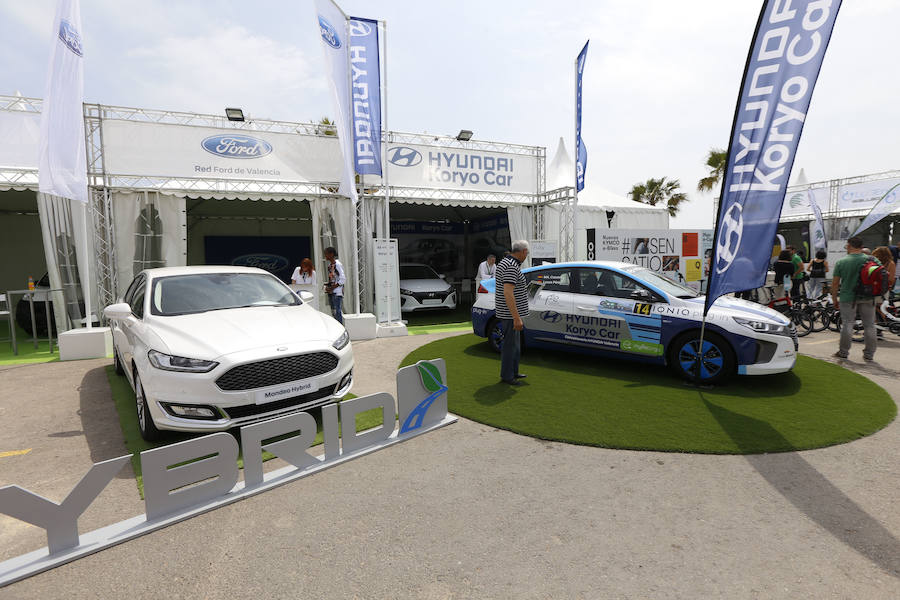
[(173, 188)]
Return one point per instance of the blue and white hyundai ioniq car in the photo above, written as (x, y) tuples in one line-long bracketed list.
[(621, 309)]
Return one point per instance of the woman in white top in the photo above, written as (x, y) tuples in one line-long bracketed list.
[(304, 274)]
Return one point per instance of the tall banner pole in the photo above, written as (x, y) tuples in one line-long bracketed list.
[(580, 150), (356, 204), (384, 111)]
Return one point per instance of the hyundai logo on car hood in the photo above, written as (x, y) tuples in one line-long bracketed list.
[(236, 146)]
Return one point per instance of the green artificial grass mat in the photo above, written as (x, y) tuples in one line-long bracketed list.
[(27, 352), (462, 313), (612, 403), (123, 397), (422, 329)]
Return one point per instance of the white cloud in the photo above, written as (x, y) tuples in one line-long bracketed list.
[(229, 65)]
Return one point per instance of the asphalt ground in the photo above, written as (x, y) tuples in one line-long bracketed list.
[(469, 511)]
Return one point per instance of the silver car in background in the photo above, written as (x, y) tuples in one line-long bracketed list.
[(423, 289)]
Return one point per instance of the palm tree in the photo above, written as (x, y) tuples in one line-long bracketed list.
[(326, 126), (715, 160), (656, 191)]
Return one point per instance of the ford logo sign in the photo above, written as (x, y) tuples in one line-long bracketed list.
[(404, 157), (268, 262), (329, 33), (70, 37), (359, 28), (236, 146), (551, 316)]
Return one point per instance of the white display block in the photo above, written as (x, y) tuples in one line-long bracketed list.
[(76, 344), (361, 326), (391, 330)]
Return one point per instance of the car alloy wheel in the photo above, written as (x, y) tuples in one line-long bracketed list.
[(145, 421), (712, 365)]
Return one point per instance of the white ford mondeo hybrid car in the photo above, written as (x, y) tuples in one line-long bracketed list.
[(211, 348)]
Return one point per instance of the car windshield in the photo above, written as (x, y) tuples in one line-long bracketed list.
[(417, 272), (664, 283), (201, 292)]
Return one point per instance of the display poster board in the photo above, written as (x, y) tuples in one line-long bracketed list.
[(542, 252), (387, 280), (681, 254)]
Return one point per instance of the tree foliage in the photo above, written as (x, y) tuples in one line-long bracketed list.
[(715, 160), (661, 191)]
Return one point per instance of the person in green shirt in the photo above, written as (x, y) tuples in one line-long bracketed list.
[(797, 277), (843, 292)]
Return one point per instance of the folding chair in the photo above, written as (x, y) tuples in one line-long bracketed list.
[(6, 313)]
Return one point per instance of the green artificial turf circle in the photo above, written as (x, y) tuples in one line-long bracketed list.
[(621, 404)]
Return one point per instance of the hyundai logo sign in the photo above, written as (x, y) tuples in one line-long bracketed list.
[(236, 146), (329, 33), (551, 316), (403, 156), (359, 28), (268, 262), (70, 37)]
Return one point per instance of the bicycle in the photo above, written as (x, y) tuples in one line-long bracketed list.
[(799, 317)]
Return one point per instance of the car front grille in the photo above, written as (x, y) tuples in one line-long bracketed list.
[(432, 295), (277, 370), (249, 410)]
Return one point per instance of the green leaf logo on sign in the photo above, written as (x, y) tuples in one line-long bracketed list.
[(431, 377)]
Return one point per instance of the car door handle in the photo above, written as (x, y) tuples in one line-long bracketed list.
[(587, 308)]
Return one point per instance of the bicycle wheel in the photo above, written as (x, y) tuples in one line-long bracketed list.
[(802, 321), (819, 318), (834, 323)]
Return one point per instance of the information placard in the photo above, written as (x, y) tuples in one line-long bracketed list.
[(387, 280)]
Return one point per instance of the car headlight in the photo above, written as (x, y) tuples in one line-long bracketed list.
[(167, 362), (341, 341), (406, 292), (761, 326)]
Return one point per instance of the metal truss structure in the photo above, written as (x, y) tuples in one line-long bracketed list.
[(834, 186), (564, 198), (102, 183)]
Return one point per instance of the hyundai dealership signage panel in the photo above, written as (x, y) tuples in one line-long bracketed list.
[(182, 151), (454, 168)]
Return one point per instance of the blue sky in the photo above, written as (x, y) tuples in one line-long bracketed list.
[(661, 78)]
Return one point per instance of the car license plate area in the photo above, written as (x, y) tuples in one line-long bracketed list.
[(432, 301), (287, 390)]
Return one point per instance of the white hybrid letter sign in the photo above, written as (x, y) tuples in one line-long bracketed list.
[(207, 475)]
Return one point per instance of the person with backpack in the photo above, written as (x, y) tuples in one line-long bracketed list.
[(856, 281), (817, 269)]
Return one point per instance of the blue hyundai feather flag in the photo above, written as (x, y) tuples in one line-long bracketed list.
[(781, 72), (819, 240), (580, 150), (366, 95)]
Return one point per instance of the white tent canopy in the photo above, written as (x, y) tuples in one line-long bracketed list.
[(598, 208)]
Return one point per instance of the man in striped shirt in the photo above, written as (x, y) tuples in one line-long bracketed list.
[(511, 306)]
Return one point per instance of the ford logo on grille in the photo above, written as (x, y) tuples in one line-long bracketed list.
[(236, 146), (551, 316), (329, 33), (405, 157), (359, 28), (70, 37), (269, 262)]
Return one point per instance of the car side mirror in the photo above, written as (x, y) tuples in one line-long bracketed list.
[(306, 296), (442, 276), (643, 295), (117, 311)]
